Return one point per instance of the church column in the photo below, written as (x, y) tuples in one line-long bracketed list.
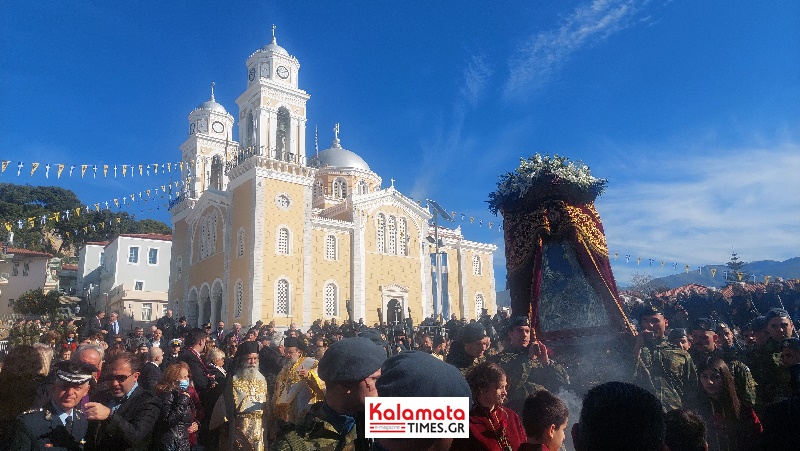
[(272, 142), (308, 268), (358, 270)]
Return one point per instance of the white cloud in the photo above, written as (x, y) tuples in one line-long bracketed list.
[(545, 52), (694, 209)]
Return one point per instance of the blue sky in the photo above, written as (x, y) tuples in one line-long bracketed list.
[(690, 109)]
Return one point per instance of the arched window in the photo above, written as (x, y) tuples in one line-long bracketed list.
[(391, 236), (249, 133), (402, 238), (331, 248), (282, 135), (476, 265), (362, 187), (212, 242), (318, 188), (479, 306), (239, 301), (240, 242), (282, 298), (331, 301), (216, 173), (380, 233), (283, 247), (340, 188), (203, 233)]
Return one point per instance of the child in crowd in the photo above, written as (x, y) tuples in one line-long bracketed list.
[(545, 418)]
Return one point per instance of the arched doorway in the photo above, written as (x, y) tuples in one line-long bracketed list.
[(394, 312), (193, 309), (216, 303), (205, 305), (394, 303)]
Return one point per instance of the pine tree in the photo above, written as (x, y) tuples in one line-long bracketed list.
[(735, 269)]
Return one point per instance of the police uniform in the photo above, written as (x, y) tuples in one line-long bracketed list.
[(50, 428)]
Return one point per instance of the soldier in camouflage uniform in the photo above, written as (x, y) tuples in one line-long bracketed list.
[(468, 350), (706, 345), (350, 369), (527, 366), (16, 335), (772, 377), (662, 368)]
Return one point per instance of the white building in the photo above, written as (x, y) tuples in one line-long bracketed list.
[(134, 276), (21, 270)]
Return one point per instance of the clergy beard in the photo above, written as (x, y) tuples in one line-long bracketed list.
[(250, 373)]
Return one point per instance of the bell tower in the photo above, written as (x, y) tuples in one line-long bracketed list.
[(207, 148), (272, 110)]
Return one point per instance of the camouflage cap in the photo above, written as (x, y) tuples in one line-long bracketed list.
[(677, 333)]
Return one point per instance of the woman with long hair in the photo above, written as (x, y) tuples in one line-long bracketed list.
[(175, 424), (492, 427), (23, 372), (732, 425)]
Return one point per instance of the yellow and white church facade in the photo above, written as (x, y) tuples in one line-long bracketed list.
[(264, 232)]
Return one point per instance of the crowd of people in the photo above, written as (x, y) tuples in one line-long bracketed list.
[(710, 385)]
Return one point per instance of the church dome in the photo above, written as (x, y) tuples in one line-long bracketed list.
[(275, 48), (340, 158), (213, 106)]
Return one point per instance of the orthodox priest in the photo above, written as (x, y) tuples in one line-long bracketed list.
[(297, 386), (245, 400)]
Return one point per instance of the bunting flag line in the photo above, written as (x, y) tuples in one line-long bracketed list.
[(144, 169)]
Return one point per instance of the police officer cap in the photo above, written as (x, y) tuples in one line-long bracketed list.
[(704, 324), (472, 332), (207, 326), (74, 372), (351, 359), (777, 313), (375, 335), (176, 343), (677, 333), (791, 343), (650, 310), (721, 325), (417, 373), (518, 321)]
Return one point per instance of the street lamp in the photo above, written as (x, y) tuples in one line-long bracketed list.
[(438, 306)]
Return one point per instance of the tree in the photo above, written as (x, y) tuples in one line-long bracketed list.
[(736, 272), (36, 302)]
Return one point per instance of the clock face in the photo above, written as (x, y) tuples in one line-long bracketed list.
[(283, 72), (283, 201), (265, 70), (252, 74), (218, 127)]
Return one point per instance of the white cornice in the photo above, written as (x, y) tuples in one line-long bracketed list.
[(321, 223)]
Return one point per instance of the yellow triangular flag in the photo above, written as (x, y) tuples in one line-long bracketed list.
[(97, 206), (118, 220), (31, 222), (116, 202), (60, 169), (140, 169), (85, 229), (5, 165), (132, 197), (713, 272), (124, 170), (169, 167), (8, 226), (155, 169), (56, 215), (34, 167), (103, 225), (181, 165), (739, 276), (471, 219), (687, 268), (766, 279), (83, 169), (78, 211), (67, 233), (148, 192), (105, 170)]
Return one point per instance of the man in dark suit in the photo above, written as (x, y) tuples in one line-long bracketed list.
[(151, 373), (94, 324), (59, 425), (124, 416), (113, 328), (204, 382), (168, 326)]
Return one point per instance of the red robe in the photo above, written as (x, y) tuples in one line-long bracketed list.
[(486, 435)]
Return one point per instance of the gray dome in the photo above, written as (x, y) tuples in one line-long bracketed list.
[(274, 47), (338, 157), (213, 106)]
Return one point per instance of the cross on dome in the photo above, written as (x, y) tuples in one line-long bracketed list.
[(212, 92), (336, 136), (273, 33)]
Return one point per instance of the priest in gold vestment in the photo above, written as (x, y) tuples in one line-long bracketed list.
[(297, 386), (246, 404)]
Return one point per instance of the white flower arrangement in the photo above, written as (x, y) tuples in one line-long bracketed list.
[(546, 178)]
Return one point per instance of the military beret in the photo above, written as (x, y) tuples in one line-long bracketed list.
[(704, 324), (791, 343), (777, 313), (74, 372), (419, 374), (677, 333), (376, 336), (207, 326), (351, 359), (650, 310), (518, 321), (472, 332), (176, 343), (721, 325)]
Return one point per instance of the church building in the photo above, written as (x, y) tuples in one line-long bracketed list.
[(264, 232)]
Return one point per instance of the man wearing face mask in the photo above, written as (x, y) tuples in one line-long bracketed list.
[(662, 368), (60, 424)]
